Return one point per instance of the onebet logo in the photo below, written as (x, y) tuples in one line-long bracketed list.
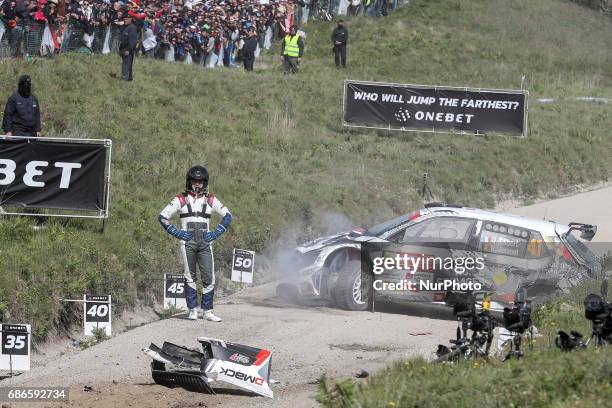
[(8, 167)]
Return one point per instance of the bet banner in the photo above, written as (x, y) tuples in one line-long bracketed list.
[(37, 173)]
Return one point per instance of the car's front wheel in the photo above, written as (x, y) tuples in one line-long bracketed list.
[(347, 293)]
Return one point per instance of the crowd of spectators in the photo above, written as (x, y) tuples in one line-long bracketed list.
[(209, 32)]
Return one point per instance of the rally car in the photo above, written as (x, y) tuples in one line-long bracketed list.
[(519, 252)]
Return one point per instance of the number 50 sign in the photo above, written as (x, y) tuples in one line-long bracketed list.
[(243, 266)]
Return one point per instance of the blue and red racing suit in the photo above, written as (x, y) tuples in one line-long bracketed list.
[(195, 211)]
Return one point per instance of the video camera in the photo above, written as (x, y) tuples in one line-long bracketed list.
[(599, 311), (517, 319), (464, 309), (481, 323)]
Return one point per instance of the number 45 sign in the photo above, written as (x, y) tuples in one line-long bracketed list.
[(174, 291), (243, 265)]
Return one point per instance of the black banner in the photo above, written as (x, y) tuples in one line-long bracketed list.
[(409, 107), (45, 174)]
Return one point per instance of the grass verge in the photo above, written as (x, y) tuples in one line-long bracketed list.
[(545, 377)]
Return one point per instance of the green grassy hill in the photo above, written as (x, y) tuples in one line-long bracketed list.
[(277, 153)]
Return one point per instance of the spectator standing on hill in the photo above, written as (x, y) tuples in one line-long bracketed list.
[(339, 38), (354, 8), (22, 111), (248, 50), (292, 50), (127, 48)]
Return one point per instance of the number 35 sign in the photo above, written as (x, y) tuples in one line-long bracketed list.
[(243, 265), (15, 352)]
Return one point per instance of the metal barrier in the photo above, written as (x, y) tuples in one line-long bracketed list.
[(115, 39), (26, 39), (73, 37), (5, 48), (98, 40), (32, 38)]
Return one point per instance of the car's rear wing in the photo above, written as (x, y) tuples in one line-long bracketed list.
[(587, 231)]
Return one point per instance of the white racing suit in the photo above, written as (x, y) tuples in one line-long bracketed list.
[(195, 212)]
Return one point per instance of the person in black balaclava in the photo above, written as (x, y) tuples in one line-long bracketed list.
[(22, 111), (339, 38)]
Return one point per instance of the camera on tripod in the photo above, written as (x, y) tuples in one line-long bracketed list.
[(517, 318), (481, 323), (465, 311), (599, 311)]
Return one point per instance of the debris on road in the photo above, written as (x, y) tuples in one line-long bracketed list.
[(362, 374), (243, 366)]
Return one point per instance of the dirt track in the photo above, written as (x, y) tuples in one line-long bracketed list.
[(305, 342)]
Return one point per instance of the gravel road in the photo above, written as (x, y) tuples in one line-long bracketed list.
[(306, 342)]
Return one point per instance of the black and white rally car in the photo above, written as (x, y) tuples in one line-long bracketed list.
[(544, 257)]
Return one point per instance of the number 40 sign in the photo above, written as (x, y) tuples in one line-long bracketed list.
[(97, 314), (243, 265)]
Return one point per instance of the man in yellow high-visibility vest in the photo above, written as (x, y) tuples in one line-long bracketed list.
[(291, 51)]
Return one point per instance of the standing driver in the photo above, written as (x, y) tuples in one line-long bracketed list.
[(195, 207)]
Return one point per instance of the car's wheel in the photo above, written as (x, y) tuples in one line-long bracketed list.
[(347, 292), (288, 293)]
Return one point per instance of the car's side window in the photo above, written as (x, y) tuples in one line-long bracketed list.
[(439, 229), (503, 239)]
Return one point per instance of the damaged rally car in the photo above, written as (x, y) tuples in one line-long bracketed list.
[(236, 364), (541, 256)]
